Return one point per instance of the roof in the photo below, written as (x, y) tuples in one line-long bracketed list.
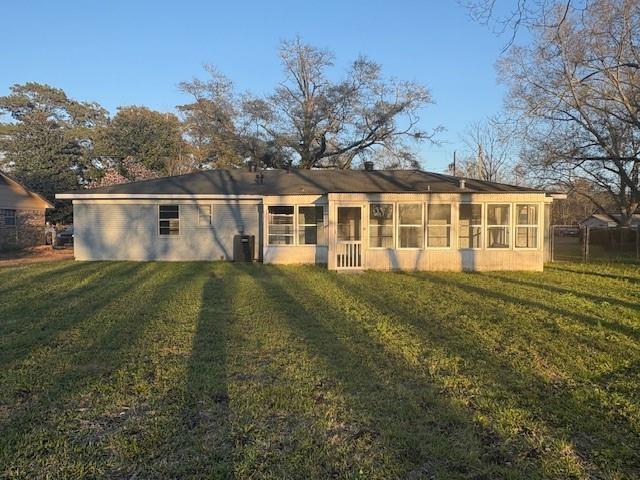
[(15, 195), (298, 182), (608, 218)]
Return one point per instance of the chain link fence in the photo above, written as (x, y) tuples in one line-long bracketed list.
[(576, 243)]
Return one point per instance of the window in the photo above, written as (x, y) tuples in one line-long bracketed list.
[(470, 225), (310, 225), (439, 226), (169, 220), (204, 215), (281, 225), (8, 217), (498, 220), (410, 230), (381, 225), (526, 226)]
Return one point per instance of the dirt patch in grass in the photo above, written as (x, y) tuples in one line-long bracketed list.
[(41, 253)]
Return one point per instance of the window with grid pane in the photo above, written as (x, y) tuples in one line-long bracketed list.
[(527, 226), (381, 225), (498, 223), (470, 225), (410, 230), (439, 225), (8, 217), (280, 228), (311, 225), (204, 215), (169, 220)]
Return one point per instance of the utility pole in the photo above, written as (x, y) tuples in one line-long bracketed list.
[(454, 163)]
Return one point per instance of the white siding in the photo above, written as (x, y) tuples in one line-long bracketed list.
[(129, 231)]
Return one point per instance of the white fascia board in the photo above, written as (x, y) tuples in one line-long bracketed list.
[(129, 196)]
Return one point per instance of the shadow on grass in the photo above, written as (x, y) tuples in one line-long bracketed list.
[(205, 423), (591, 272), (100, 350), (572, 416), (35, 322), (495, 294), (558, 289), (419, 432), (51, 274)]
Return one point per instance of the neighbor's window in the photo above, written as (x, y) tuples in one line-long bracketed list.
[(526, 226), (311, 225), (498, 220), (470, 225), (439, 225), (169, 220), (381, 225), (8, 217), (281, 225), (410, 230), (204, 215)]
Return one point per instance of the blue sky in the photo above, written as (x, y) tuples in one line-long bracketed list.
[(136, 52)]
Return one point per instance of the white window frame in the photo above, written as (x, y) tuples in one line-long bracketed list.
[(450, 225), (487, 226), (298, 225), (397, 224), (516, 225), (162, 235), (293, 225), (482, 226), (198, 207), (394, 241)]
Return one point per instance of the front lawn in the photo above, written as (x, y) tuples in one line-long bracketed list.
[(192, 370)]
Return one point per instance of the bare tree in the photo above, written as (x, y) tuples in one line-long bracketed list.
[(576, 90), (488, 152), (508, 17), (310, 117)]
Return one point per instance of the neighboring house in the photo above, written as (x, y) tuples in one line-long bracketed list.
[(346, 219), (606, 220), (21, 215)]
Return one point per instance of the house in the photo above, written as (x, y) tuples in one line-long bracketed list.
[(345, 219), (608, 220), (21, 215)]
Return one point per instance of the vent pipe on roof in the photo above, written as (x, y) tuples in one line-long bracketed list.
[(462, 183), (368, 166)]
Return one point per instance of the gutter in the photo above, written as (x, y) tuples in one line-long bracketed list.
[(154, 196)]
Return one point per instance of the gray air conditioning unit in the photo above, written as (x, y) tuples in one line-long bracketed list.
[(243, 248)]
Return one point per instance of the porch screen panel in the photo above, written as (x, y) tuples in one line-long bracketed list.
[(470, 225), (349, 223), (498, 225), (311, 226), (280, 228), (527, 226), (439, 225), (381, 225), (410, 229)]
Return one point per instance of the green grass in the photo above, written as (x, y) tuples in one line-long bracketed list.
[(192, 370)]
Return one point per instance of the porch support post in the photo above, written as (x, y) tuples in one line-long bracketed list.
[(331, 233)]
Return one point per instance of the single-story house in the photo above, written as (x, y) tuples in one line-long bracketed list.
[(22, 211), (608, 220), (345, 219)]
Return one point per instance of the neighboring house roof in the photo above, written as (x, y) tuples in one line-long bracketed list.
[(300, 182), (14, 195), (606, 219)]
